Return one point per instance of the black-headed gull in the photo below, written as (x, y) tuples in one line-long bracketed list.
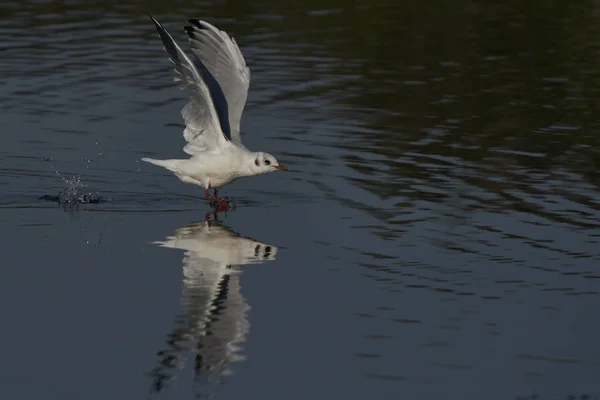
[(218, 81)]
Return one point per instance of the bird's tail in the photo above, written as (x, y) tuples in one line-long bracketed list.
[(171, 165)]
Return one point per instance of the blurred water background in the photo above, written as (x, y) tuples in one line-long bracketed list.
[(437, 237)]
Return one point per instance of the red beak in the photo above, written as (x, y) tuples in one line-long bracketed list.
[(281, 167)]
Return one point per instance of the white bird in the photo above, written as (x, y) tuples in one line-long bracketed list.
[(215, 325), (218, 81)]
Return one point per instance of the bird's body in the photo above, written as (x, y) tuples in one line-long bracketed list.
[(218, 81), (210, 170)]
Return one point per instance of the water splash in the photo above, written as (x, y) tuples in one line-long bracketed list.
[(74, 194)]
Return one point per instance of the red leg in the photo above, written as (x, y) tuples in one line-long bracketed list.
[(214, 213), (222, 203)]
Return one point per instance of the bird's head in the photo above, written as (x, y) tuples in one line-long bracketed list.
[(265, 162)]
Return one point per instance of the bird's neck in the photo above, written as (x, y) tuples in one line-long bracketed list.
[(248, 167)]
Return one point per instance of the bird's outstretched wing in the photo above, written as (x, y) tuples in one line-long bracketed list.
[(223, 67), (202, 131)]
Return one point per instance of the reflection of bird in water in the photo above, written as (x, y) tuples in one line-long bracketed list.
[(215, 325)]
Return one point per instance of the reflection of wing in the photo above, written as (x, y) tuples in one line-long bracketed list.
[(216, 321), (216, 311)]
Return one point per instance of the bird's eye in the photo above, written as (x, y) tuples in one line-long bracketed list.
[(256, 162), (267, 162)]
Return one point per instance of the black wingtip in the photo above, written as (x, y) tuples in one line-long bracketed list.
[(189, 30), (196, 23)]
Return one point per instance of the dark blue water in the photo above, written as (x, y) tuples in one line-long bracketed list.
[(437, 237)]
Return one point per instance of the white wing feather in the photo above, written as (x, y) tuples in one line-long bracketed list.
[(203, 130), (224, 69)]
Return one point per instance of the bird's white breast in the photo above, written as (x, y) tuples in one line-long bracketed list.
[(216, 170)]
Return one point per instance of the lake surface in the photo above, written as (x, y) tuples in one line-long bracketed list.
[(437, 237)]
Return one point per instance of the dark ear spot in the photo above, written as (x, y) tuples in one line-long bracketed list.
[(256, 162)]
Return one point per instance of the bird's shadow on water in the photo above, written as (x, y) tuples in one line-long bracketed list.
[(213, 324)]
